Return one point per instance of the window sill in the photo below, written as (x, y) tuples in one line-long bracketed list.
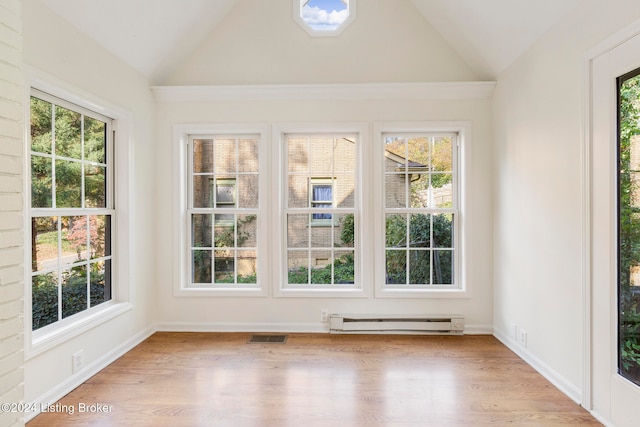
[(301, 292), (56, 334), (220, 292), (426, 293)]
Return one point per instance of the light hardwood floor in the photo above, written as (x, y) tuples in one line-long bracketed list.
[(212, 379)]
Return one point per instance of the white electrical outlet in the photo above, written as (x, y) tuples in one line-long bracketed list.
[(77, 361), (324, 315), (522, 337)]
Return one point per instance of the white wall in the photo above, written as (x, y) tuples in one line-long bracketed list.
[(11, 215), (303, 313), (538, 206), (258, 42), (54, 48)]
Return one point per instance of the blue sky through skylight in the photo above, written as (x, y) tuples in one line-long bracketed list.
[(324, 15)]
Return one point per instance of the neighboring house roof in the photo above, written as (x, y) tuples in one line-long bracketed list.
[(403, 162)]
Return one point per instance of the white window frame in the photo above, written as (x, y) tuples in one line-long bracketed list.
[(182, 242), (297, 17), (312, 183), (47, 337), (363, 276), (462, 177)]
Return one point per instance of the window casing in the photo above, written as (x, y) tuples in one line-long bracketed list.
[(320, 211), (71, 210), (223, 211), (422, 180)]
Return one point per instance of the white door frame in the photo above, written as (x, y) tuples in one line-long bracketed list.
[(594, 108)]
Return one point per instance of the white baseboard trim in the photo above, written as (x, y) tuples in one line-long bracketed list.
[(601, 419), (565, 386), (80, 377), (277, 327), (478, 329), (242, 327)]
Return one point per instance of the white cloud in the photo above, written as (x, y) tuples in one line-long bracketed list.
[(316, 17)]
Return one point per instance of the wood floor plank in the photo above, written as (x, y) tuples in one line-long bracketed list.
[(214, 379)]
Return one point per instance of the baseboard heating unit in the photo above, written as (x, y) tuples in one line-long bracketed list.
[(450, 324)]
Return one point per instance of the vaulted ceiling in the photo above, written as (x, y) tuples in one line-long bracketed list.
[(153, 36)]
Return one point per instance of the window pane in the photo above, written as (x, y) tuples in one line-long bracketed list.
[(201, 231), (419, 267), (41, 114), (442, 267), (44, 300), (224, 232), (442, 154), (41, 178), (202, 156), (298, 267), (247, 267), (95, 186), (74, 239), (201, 266), (247, 229), (420, 231), (441, 191), (298, 191), (396, 267), (443, 231), (225, 193), (100, 232), (345, 155), (397, 149), (44, 251), (395, 190), (321, 237), (224, 157), (344, 268), (345, 188), (202, 191), (297, 230), (298, 155), (248, 191), (95, 140), (344, 233), (248, 155), (321, 156), (396, 231), (100, 282), (68, 184), (68, 137), (321, 268), (74, 291), (420, 193), (224, 266)]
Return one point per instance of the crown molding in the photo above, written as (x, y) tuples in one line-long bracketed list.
[(333, 92)]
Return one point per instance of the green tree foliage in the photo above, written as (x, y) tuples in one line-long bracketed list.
[(422, 233), (629, 226)]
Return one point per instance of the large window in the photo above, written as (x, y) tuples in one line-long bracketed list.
[(223, 211), (72, 209), (320, 210), (420, 210)]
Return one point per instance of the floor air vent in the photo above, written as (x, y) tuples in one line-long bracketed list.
[(449, 324), (268, 339)]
